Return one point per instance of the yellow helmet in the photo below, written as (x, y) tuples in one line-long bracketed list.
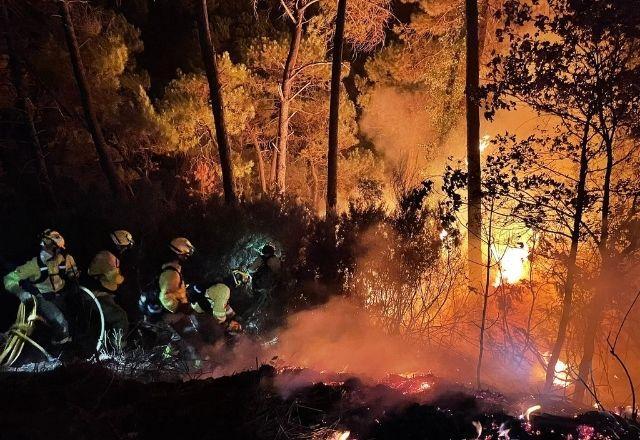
[(49, 236), (182, 247), (122, 238), (219, 295)]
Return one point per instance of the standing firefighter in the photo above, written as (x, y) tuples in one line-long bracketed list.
[(45, 277), (173, 290), (265, 270), (106, 278)]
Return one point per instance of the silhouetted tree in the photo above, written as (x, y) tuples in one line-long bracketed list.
[(217, 104), (106, 163)]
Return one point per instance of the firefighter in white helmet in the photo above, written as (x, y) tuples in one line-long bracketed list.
[(173, 289), (106, 279), (45, 277)]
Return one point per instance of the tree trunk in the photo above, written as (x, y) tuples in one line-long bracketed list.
[(285, 97), (334, 111), (217, 103), (600, 299), (260, 161), (26, 109), (485, 302), (567, 301), (106, 163), (474, 255)]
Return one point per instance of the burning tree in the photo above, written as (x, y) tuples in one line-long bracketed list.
[(575, 69)]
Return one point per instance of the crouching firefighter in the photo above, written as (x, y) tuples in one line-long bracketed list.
[(46, 277), (106, 279), (213, 304), (265, 271)]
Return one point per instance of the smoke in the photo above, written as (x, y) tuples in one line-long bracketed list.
[(340, 336), (402, 130), (399, 125)]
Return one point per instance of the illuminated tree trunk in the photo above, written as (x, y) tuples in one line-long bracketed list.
[(26, 109), (285, 99), (567, 300), (474, 255), (106, 163), (334, 110), (260, 160), (217, 103), (601, 296)]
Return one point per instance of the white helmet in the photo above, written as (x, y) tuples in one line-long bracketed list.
[(49, 236), (182, 247), (122, 239)]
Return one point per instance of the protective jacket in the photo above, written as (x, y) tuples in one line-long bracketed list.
[(105, 268), (173, 290), (45, 272), (215, 300)]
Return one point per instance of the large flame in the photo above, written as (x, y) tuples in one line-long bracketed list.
[(561, 377), (512, 262)]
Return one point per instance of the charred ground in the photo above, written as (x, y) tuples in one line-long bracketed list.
[(90, 402)]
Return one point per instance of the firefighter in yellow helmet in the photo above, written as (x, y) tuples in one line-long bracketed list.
[(214, 301), (106, 278), (45, 277)]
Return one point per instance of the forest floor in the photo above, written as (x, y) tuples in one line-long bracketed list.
[(89, 401)]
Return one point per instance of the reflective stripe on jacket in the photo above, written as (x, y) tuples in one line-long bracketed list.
[(46, 276)]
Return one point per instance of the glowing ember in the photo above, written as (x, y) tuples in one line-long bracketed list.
[(409, 383), (443, 234), (531, 410), (512, 264), (478, 427), (340, 435)]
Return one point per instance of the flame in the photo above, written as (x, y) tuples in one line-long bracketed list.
[(484, 142), (340, 435), (512, 263), (443, 234), (561, 377)]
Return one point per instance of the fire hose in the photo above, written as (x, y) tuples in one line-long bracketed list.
[(101, 336), (20, 332)]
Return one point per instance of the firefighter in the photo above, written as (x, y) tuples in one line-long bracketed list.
[(161, 302), (214, 302), (106, 279), (173, 289), (45, 278), (265, 270)]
